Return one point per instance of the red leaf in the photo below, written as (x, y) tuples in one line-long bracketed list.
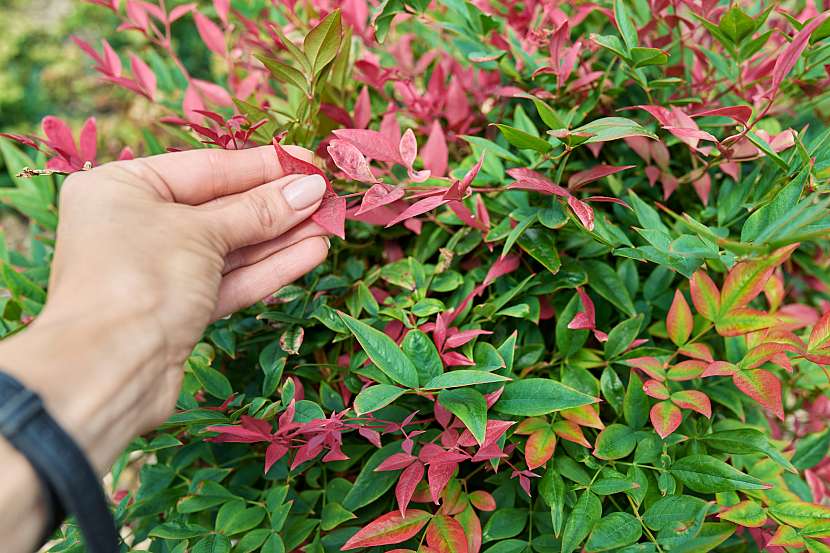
[(408, 481), (702, 185), (438, 475), (144, 75), (665, 418), (372, 144), (349, 159), (679, 321), (458, 339), (389, 529), (434, 153), (58, 135), (694, 400), (274, 453), (362, 109), (396, 461), (762, 386), (445, 535), (483, 501), (580, 179), (527, 179), (211, 34), (583, 211), (88, 141), (656, 389), (689, 135), (787, 60), (741, 114)]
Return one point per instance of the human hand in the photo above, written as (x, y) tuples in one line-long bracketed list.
[(148, 252)]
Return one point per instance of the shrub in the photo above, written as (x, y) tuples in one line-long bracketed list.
[(581, 301)]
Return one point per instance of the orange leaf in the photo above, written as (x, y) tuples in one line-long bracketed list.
[(820, 336), (744, 320), (747, 279), (697, 350), (568, 430), (762, 386), (665, 418), (679, 321), (446, 535), (686, 370), (585, 415), (483, 501), (472, 528), (539, 448), (705, 295), (389, 529), (656, 389), (694, 400)]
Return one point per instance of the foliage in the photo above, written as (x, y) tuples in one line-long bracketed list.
[(582, 299)]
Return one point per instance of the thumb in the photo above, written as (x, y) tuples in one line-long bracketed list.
[(264, 212)]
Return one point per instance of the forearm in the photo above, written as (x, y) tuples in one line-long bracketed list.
[(70, 364)]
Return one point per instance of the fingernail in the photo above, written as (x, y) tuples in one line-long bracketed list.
[(328, 242), (304, 192)]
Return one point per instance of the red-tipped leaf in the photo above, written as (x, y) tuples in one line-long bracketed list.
[(389, 529)]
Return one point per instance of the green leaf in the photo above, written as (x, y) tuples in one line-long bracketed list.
[(533, 397), (628, 30), (541, 245), (505, 523), (635, 403), (621, 336), (369, 484), (584, 516), (746, 440), (614, 531), (613, 128), (671, 512), (284, 73), (334, 514), (615, 442), (215, 543), (470, 407), (177, 531), (323, 41), (234, 518), (736, 25), (705, 474), (608, 284), (463, 377), (376, 397), (383, 352), (523, 140), (641, 57), (214, 382), (811, 450), (552, 490)]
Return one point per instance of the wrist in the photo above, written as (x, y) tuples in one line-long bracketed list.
[(94, 373)]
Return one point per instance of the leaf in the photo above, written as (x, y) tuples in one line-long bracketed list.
[(642, 57), (539, 396), (615, 442), (762, 386), (349, 159), (705, 474), (463, 377), (234, 518), (383, 352), (693, 399), (389, 529), (419, 348), (799, 513), (483, 501), (211, 34), (679, 321), (811, 450), (214, 382), (580, 179), (747, 513), (665, 418), (284, 73), (376, 397), (524, 140), (635, 402), (787, 60), (542, 247), (705, 295), (333, 515), (612, 128), (369, 484), (505, 523), (627, 29), (323, 41), (672, 512), (609, 285), (539, 447), (446, 535), (747, 279), (584, 516), (470, 407), (621, 336), (746, 440), (614, 531), (331, 215)]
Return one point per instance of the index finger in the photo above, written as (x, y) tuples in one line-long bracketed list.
[(197, 176)]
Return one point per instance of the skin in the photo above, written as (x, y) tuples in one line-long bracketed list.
[(149, 251)]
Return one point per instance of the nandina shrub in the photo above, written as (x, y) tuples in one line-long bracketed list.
[(581, 296)]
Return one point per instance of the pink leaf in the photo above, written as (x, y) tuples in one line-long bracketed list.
[(583, 211), (460, 338), (527, 179), (179, 11), (787, 60), (434, 153), (702, 185), (211, 34), (349, 159), (144, 75), (396, 461), (58, 135), (88, 141), (274, 453), (192, 104), (741, 114), (372, 144), (362, 109), (331, 215), (418, 208), (438, 475), (597, 172), (379, 195), (607, 199), (222, 8), (113, 62), (408, 148), (213, 92)]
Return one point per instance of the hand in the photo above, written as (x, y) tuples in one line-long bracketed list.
[(148, 252)]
